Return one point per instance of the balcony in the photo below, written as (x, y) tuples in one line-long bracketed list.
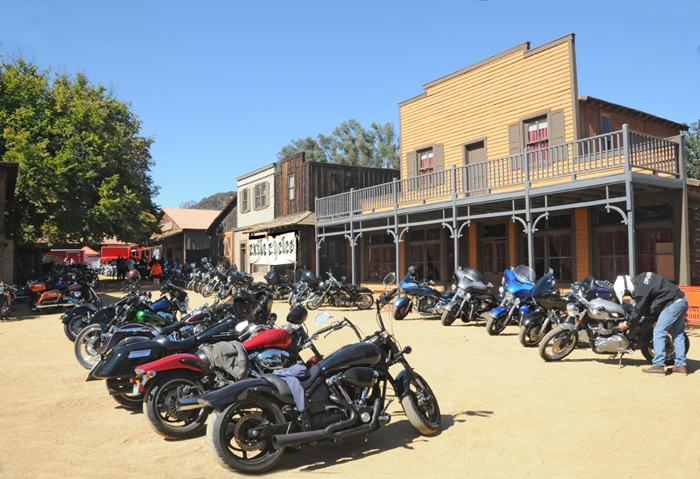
[(596, 159)]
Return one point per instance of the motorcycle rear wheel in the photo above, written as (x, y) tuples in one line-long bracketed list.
[(229, 442), (160, 405), (88, 344), (557, 344), (648, 350), (127, 401), (74, 326), (529, 336), (448, 317), (495, 325), (365, 302), (421, 407)]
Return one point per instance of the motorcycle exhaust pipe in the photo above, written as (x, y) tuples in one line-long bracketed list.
[(62, 305), (188, 404), (298, 438)]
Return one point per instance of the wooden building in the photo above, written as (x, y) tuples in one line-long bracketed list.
[(224, 234), (183, 234), (504, 163)]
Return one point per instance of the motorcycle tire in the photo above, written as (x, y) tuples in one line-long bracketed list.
[(229, 444), (426, 417), (399, 313), (315, 301), (448, 317), (88, 344), (160, 405), (529, 336), (365, 302), (495, 325), (648, 350), (208, 290), (127, 401), (74, 326), (557, 344)]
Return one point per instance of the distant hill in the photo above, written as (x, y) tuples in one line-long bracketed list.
[(217, 201)]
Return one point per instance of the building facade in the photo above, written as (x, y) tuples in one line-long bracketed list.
[(183, 234), (504, 163)]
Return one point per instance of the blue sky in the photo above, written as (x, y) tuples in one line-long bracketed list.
[(224, 85)]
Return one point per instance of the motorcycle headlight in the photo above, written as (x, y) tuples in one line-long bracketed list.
[(501, 290), (509, 296), (461, 292), (571, 309)]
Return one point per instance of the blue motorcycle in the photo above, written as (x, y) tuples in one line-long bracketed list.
[(516, 290), (426, 300)]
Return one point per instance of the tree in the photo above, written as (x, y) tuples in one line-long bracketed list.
[(692, 150), (351, 144), (84, 171), (188, 204)]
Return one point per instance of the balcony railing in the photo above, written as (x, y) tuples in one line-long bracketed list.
[(589, 157)]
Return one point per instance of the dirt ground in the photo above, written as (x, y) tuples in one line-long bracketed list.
[(505, 414)]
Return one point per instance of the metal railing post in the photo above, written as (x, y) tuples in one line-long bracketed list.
[(629, 192), (455, 234), (528, 214), (352, 234), (318, 246)]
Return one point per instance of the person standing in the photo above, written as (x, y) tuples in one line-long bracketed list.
[(130, 264), (156, 271), (121, 269), (654, 295)]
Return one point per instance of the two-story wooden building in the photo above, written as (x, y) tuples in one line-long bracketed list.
[(182, 236), (504, 163)]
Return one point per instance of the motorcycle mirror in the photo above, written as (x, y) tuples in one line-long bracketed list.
[(322, 317), (390, 278), (240, 327)]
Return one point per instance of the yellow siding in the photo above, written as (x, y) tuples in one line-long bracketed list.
[(581, 225), (484, 101)]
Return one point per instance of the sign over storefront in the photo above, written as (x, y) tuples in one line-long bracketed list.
[(274, 250)]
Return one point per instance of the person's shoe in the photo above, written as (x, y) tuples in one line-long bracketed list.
[(655, 370), (680, 370)]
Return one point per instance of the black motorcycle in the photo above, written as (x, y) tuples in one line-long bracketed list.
[(337, 293), (279, 284), (471, 297), (599, 319), (256, 419)]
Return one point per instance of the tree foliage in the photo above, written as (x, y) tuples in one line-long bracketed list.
[(692, 151), (351, 144), (84, 171), (217, 201)]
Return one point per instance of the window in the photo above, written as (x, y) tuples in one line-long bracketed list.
[(336, 185), (425, 162), (613, 254), (261, 194), (245, 201), (553, 248), (606, 127), (290, 187), (537, 138), (494, 249), (425, 254), (381, 254)]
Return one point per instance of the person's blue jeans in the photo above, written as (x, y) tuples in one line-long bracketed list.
[(671, 320)]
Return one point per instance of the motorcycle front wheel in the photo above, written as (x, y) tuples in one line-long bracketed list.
[(315, 301), (160, 405), (74, 326), (208, 290), (365, 302), (557, 344), (529, 336), (495, 325), (230, 443), (648, 350), (88, 344), (400, 312), (421, 407), (448, 317)]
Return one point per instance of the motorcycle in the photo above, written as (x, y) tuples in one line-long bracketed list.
[(173, 377), (255, 420), (551, 306), (279, 284), (599, 319), (471, 297), (7, 295), (516, 287), (340, 295), (66, 295), (421, 297), (306, 286)]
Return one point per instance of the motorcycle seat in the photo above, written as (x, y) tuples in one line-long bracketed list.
[(447, 294), (279, 383), (179, 345), (314, 374), (169, 328)]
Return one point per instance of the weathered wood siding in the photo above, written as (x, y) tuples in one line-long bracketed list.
[(694, 234), (590, 121), (483, 101)]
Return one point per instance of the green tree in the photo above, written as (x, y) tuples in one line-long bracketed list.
[(84, 171), (351, 144), (692, 151)]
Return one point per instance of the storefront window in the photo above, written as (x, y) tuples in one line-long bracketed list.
[(425, 254)]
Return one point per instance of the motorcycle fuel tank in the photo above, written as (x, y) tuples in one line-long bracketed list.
[(272, 338), (352, 355), (604, 310)]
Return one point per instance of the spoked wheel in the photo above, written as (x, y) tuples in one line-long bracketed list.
[(648, 350), (208, 290), (160, 406), (232, 440), (315, 301), (495, 325), (365, 302), (530, 336), (421, 407), (88, 344), (558, 344), (73, 327)]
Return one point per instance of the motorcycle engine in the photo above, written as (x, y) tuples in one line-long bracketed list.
[(270, 360), (605, 341), (342, 302)]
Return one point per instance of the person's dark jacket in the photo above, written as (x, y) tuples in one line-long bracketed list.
[(652, 293)]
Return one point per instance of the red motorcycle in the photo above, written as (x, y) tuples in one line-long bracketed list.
[(166, 380)]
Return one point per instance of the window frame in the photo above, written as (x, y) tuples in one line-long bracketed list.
[(290, 187), (261, 195), (245, 200)]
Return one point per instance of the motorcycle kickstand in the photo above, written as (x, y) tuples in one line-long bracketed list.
[(619, 366)]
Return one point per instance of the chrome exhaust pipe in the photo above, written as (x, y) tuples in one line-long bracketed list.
[(187, 404), (62, 305)]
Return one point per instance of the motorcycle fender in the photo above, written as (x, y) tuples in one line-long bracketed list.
[(174, 362), (567, 326), (499, 311), (85, 309), (364, 290), (234, 392), (452, 304), (402, 384), (524, 311), (402, 302), (536, 316)]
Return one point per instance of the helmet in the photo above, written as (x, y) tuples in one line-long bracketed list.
[(297, 315), (624, 286), (244, 305), (133, 276), (411, 270)]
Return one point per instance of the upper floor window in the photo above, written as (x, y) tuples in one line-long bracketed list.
[(537, 138), (606, 127), (245, 201), (425, 162), (261, 196), (290, 187)]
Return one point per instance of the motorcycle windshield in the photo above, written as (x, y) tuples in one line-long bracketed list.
[(525, 274), (471, 274), (543, 286)]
